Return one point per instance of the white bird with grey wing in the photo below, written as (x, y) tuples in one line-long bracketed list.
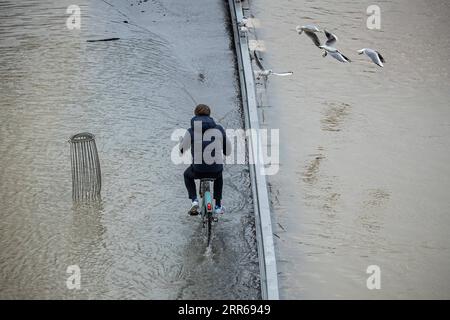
[(374, 55), (267, 72), (331, 38), (243, 22), (311, 31), (335, 53), (245, 26), (329, 48)]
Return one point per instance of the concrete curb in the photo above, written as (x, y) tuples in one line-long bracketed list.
[(266, 250)]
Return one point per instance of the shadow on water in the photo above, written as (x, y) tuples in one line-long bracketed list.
[(87, 249)]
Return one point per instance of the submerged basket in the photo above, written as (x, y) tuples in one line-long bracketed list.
[(86, 173)]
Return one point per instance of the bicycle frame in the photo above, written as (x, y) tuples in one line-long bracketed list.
[(205, 194), (206, 208)]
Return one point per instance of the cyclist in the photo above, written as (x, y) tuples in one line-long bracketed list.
[(204, 132)]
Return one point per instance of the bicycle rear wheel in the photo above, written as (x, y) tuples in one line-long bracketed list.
[(207, 207), (208, 228)]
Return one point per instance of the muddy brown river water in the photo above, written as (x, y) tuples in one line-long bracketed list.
[(365, 152), (138, 242)]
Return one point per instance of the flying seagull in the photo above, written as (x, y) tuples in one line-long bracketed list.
[(331, 41), (310, 30), (331, 38), (267, 72), (335, 53), (375, 56)]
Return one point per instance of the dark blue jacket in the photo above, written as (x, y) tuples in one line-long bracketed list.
[(188, 142)]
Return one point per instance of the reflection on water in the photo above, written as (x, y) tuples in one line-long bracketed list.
[(138, 242), (365, 181)]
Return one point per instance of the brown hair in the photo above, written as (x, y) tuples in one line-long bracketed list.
[(202, 110)]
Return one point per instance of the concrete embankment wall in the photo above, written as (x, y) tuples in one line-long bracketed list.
[(266, 251)]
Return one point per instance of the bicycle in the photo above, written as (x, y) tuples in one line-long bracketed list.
[(206, 207)]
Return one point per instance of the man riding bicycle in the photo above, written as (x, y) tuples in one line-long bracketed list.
[(208, 143)]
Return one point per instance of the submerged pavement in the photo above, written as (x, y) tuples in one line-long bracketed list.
[(132, 93)]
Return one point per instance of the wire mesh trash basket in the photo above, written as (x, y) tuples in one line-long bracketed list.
[(86, 173)]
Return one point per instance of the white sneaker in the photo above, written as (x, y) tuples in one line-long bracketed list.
[(194, 208), (219, 210)]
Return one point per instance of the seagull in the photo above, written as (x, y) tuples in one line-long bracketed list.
[(243, 22), (375, 56), (267, 72), (243, 29), (331, 38), (310, 30), (335, 53), (244, 26), (331, 41)]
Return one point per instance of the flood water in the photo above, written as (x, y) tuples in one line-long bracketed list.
[(365, 151), (138, 241)]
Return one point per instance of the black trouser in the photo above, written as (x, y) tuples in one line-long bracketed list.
[(189, 180)]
